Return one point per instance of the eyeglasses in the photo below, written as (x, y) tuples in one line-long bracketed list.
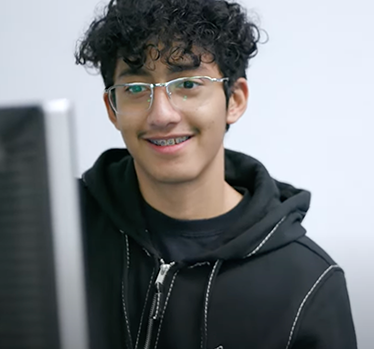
[(186, 93)]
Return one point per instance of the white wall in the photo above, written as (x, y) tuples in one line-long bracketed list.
[(310, 118)]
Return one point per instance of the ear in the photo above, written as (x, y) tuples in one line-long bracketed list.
[(111, 113), (238, 101)]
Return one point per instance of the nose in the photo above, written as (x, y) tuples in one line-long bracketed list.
[(162, 113)]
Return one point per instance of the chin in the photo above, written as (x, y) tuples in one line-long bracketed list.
[(174, 177), (173, 173)]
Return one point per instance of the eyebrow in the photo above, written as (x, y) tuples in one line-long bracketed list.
[(133, 72), (184, 68)]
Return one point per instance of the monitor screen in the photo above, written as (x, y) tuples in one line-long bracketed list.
[(42, 297)]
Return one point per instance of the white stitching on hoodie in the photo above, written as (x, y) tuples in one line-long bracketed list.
[(157, 304), (263, 242), (146, 252), (305, 300), (145, 305), (198, 265), (128, 251), (125, 312), (123, 286), (127, 248), (207, 303), (163, 311)]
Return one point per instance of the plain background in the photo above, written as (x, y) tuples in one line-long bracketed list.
[(310, 115)]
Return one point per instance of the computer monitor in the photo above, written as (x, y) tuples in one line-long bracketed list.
[(42, 285)]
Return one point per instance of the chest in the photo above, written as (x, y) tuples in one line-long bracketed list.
[(239, 308)]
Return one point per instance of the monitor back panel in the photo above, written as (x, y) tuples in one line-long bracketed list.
[(28, 304)]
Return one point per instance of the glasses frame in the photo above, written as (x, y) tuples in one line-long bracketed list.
[(109, 90)]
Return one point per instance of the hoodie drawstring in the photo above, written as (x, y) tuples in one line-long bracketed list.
[(204, 335)]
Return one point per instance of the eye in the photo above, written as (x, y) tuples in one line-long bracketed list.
[(135, 89), (188, 84)]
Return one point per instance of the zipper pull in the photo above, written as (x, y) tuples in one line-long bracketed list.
[(159, 283), (164, 268)]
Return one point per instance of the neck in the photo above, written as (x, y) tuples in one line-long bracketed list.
[(204, 197)]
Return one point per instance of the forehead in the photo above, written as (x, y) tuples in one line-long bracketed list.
[(164, 68)]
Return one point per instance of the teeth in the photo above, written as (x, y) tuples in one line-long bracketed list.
[(181, 139), (172, 141)]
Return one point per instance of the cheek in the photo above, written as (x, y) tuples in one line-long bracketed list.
[(212, 117), (128, 128)]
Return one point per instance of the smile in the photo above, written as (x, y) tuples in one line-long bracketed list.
[(169, 142)]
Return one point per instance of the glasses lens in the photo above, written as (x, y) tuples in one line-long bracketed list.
[(131, 98), (190, 93)]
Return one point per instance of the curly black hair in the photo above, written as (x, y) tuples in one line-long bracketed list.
[(189, 30)]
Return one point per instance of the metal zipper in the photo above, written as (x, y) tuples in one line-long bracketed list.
[(157, 300)]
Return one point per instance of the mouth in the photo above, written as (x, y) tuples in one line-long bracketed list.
[(168, 142)]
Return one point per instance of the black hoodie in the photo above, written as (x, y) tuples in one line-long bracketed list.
[(264, 285)]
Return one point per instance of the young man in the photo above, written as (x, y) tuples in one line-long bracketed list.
[(190, 245)]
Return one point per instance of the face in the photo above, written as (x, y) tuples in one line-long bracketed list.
[(204, 125)]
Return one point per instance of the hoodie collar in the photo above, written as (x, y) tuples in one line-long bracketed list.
[(113, 183)]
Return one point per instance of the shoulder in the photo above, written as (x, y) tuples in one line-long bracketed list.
[(310, 263), (300, 267), (305, 257), (316, 251), (90, 211), (324, 312), (85, 198)]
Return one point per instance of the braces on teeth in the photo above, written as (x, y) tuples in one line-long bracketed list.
[(172, 141)]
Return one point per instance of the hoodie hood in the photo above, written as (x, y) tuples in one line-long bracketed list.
[(273, 220)]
